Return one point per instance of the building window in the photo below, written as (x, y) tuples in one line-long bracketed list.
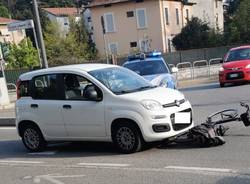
[(89, 19), (144, 45), (109, 22), (141, 18), (177, 16), (133, 44), (217, 19), (113, 48), (187, 14), (130, 14), (166, 16), (216, 3)]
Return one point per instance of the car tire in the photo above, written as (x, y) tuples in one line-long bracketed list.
[(222, 85), (33, 139), (127, 138)]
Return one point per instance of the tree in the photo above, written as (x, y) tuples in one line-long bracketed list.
[(239, 28), (194, 35), (4, 12), (68, 49), (23, 55)]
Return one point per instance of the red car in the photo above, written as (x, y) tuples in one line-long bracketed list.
[(236, 66)]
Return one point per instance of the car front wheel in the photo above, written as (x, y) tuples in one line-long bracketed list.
[(127, 138), (33, 139)]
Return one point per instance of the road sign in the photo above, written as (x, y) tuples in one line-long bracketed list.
[(19, 25)]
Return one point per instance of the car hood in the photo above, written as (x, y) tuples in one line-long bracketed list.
[(236, 64), (156, 79), (159, 94)]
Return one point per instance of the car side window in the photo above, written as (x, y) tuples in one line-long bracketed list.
[(75, 87), (45, 87)]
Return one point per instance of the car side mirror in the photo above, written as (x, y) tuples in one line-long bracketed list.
[(175, 70), (91, 93)]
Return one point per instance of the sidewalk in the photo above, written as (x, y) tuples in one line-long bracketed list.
[(194, 82)]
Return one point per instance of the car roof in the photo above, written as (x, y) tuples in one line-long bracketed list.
[(240, 47), (146, 59), (76, 67)]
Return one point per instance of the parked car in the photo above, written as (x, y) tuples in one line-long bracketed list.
[(97, 102), (236, 66), (153, 68)]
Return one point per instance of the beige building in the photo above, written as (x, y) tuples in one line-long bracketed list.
[(210, 11), (137, 25), (7, 36)]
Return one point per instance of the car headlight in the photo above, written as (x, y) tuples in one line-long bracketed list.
[(248, 66), (164, 83), (221, 69), (151, 105)]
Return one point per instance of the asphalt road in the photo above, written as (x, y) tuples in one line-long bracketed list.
[(99, 163)]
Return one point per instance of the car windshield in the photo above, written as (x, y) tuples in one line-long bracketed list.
[(239, 54), (148, 67), (121, 80)]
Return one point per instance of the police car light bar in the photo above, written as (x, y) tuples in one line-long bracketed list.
[(142, 56)]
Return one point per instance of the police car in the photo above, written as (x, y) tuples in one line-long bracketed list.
[(153, 68)]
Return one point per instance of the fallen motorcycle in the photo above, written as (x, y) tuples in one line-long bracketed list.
[(210, 133)]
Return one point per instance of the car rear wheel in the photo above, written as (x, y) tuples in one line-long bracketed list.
[(33, 139), (127, 138)]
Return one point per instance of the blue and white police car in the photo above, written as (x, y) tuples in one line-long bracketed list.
[(153, 68)]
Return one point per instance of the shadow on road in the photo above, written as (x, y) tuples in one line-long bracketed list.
[(15, 149), (241, 179)]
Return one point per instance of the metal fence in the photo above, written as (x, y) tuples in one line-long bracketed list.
[(198, 69), (12, 76)]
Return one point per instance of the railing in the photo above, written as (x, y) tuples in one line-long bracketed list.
[(201, 68)]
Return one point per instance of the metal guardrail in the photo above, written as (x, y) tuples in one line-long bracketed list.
[(201, 66), (185, 66)]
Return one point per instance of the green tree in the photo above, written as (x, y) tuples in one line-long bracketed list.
[(70, 48), (4, 12), (194, 35), (23, 55), (239, 28)]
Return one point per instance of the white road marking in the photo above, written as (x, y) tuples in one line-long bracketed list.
[(207, 169), (104, 164), (19, 162), (43, 153), (52, 178), (7, 128)]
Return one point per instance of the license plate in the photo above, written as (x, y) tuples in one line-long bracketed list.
[(182, 118), (234, 75)]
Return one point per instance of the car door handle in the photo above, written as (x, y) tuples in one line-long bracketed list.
[(34, 105), (67, 106)]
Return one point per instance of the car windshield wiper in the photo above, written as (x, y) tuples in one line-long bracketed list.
[(137, 89)]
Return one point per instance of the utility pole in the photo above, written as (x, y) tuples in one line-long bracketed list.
[(39, 34)]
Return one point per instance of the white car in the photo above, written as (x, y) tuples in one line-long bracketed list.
[(97, 102)]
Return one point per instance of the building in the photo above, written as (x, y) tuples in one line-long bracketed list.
[(62, 17), (7, 36), (210, 11), (132, 25)]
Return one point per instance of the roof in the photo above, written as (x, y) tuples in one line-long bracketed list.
[(240, 47), (58, 69), (69, 11), (4, 20), (96, 3)]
